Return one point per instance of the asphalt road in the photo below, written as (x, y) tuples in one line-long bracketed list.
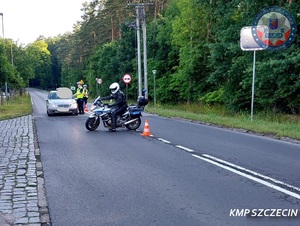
[(186, 174)]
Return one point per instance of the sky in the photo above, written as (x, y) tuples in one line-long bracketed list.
[(25, 20)]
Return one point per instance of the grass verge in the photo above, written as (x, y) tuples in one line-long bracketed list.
[(16, 107), (275, 125)]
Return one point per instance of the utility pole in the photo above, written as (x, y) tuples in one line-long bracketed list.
[(141, 16), (12, 53), (1, 14), (139, 49), (145, 53)]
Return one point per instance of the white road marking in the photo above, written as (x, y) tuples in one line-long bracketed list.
[(238, 170), (252, 172), (295, 195), (184, 148), (163, 140)]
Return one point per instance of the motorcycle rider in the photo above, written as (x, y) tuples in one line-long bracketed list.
[(120, 102)]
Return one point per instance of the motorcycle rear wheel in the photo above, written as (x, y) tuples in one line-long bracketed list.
[(92, 123), (134, 125)]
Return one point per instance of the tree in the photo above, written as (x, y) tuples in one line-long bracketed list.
[(193, 45), (40, 58), (188, 35), (22, 63), (8, 72)]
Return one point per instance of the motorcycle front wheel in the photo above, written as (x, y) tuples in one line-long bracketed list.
[(92, 123), (134, 125)]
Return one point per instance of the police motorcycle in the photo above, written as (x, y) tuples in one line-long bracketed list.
[(131, 119)]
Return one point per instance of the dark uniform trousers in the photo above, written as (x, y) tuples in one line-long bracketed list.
[(80, 105)]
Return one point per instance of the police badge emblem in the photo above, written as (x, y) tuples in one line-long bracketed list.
[(273, 24), (281, 28)]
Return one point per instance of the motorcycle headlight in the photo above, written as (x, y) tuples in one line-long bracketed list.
[(93, 107)]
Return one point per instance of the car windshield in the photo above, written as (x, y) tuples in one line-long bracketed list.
[(53, 95)]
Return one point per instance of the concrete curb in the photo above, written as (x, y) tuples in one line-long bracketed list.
[(42, 198)]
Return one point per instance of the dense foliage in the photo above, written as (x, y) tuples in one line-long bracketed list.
[(193, 45)]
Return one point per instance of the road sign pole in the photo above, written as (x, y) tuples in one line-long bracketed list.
[(249, 42), (154, 87), (126, 91), (253, 82), (127, 79)]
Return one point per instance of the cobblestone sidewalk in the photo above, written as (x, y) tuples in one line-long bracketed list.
[(22, 194)]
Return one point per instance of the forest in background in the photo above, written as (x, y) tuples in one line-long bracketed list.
[(193, 44)]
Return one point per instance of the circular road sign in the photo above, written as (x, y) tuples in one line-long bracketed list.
[(99, 81), (127, 78)]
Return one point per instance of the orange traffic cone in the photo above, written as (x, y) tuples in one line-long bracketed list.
[(146, 129), (86, 108)]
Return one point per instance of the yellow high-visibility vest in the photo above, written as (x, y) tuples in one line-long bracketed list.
[(86, 93), (79, 93)]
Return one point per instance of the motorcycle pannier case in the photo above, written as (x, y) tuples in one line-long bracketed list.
[(142, 101), (135, 112)]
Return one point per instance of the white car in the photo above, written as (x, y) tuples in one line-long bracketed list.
[(61, 104)]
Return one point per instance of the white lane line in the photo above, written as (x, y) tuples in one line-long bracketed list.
[(251, 172), (163, 140), (220, 163), (295, 195), (184, 148)]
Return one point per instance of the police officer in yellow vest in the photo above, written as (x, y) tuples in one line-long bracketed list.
[(79, 96), (85, 95)]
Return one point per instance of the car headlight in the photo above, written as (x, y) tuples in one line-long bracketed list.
[(52, 104), (74, 104)]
